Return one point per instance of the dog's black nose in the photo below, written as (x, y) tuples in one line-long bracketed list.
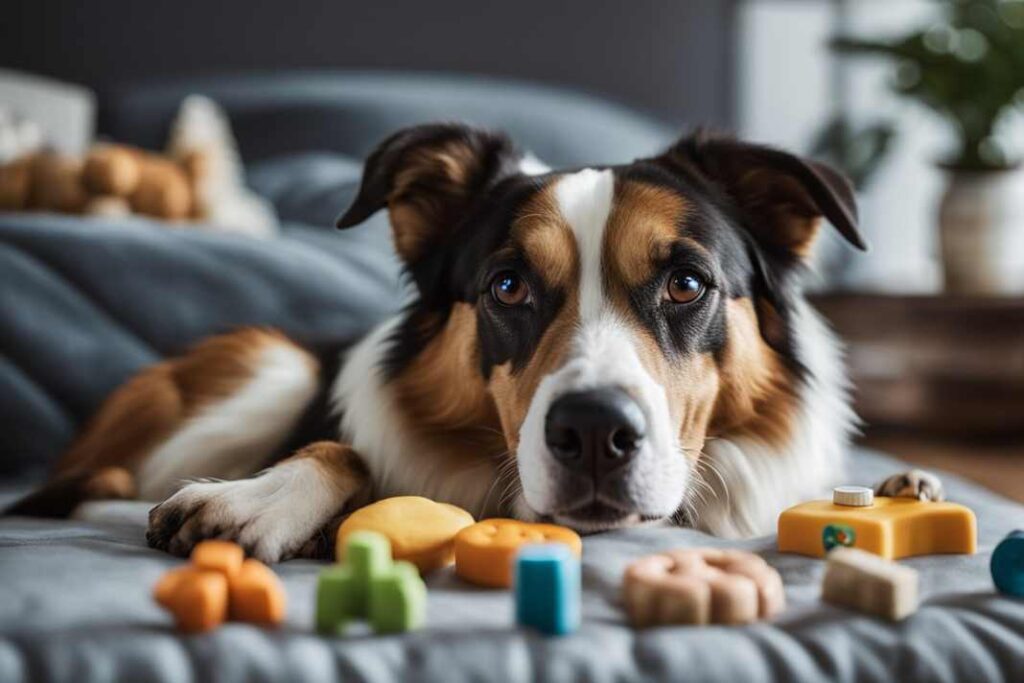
[(594, 432)]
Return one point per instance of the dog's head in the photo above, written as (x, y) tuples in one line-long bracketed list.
[(611, 318)]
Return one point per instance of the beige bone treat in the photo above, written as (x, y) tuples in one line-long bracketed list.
[(868, 583), (701, 586)]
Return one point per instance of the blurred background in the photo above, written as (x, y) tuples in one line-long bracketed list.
[(920, 102)]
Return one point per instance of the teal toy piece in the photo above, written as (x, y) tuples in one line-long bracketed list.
[(547, 589), (1007, 565), (835, 535), (368, 585)]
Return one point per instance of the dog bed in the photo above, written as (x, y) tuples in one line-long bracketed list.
[(75, 605)]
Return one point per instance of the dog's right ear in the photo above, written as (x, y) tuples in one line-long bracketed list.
[(428, 177)]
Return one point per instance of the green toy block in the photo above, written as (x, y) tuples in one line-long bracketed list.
[(339, 599), (368, 554), (398, 600), (391, 596)]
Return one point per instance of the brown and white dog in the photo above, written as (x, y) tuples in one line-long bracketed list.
[(599, 347)]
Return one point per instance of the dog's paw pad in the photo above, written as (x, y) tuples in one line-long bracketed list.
[(917, 484)]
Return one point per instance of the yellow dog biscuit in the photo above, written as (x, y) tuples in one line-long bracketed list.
[(420, 530)]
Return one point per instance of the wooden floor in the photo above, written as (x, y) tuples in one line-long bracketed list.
[(998, 466)]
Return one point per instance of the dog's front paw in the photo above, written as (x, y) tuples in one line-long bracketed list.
[(226, 510), (270, 517), (917, 484)]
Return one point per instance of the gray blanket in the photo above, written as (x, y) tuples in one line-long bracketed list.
[(75, 606)]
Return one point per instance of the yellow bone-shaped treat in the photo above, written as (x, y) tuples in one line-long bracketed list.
[(889, 527)]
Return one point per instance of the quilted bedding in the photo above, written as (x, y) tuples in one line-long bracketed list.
[(75, 606)]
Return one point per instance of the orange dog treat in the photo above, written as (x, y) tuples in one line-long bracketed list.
[(221, 556), (701, 586), (419, 530), (256, 594), (889, 527), (199, 601), (485, 552), (219, 582), (165, 588)]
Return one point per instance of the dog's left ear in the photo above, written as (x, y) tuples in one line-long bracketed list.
[(782, 197), (428, 177)]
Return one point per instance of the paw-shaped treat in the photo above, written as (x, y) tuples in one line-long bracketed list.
[(391, 596), (485, 553), (220, 584), (701, 586), (419, 530)]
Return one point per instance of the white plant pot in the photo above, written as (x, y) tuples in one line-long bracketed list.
[(981, 230)]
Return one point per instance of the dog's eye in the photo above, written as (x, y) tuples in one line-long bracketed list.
[(684, 287), (508, 289)]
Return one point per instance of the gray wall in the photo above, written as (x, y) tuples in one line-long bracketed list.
[(671, 58)]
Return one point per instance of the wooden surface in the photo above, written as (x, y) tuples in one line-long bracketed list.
[(939, 381), (941, 365)]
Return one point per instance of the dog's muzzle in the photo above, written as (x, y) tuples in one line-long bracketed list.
[(594, 433)]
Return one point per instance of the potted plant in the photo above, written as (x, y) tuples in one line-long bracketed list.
[(969, 68)]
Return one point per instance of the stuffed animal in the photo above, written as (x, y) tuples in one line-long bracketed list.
[(199, 180)]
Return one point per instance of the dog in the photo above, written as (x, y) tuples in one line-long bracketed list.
[(598, 347)]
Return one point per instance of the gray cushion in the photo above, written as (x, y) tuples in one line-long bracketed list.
[(75, 605)]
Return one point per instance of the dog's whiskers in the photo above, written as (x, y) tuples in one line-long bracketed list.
[(705, 462), (505, 468)]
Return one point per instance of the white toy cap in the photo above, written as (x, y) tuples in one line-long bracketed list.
[(853, 496)]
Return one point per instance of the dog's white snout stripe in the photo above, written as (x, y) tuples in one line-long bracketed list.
[(585, 201)]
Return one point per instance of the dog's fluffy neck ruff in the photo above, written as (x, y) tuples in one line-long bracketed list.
[(399, 462), (746, 481)]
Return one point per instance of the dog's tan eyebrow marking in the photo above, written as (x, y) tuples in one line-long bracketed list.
[(642, 230), (546, 240)]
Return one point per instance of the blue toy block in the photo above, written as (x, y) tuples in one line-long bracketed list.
[(1007, 565), (547, 588)]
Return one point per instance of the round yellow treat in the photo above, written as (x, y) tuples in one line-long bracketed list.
[(420, 530)]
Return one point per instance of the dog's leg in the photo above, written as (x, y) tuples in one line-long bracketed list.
[(913, 484), (273, 515), (224, 409)]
